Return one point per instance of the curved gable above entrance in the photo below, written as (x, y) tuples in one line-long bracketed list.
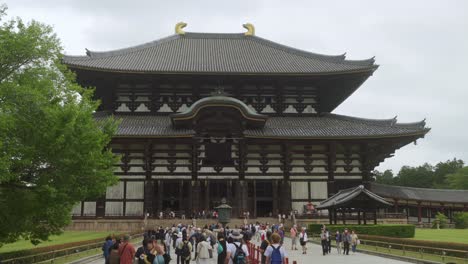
[(219, 113)]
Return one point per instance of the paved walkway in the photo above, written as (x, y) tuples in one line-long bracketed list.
[(314, 255)]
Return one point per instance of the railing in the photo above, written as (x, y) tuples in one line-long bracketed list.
[(52, 255), (255, 254), (444, 255)]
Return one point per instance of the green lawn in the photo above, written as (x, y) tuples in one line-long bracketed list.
[(446, 235), (66, 237)]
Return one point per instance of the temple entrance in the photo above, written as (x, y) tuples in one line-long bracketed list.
[(264, 208), (218, 191), (170, 196)]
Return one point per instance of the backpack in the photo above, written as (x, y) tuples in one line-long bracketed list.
[(185, 251), (239, 256), (276, 255), (220, 248)]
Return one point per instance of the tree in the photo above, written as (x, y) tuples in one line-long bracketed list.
[(442, 169), (459, 179), (52, 152), (385, 177), (420, 176)]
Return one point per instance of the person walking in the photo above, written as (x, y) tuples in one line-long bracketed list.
[(324, 241), (293, 233), (237, 252), (264, 245), (303, 240), (114, 257), (354, 241), (329, 239), (106, 247), (338, 241), (275, 254), (126, 251), (185, 249), (346, 238), (204, 251), (222, 247)]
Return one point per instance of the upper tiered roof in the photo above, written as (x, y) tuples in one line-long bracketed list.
[(217, 53)]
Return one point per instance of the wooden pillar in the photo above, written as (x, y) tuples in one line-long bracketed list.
[(429, 213), (207, 196), (195, 196), (331, 161), (359, 217), (335, 216), (254, 198), (364, 215), (181, 197), (149, 197), (330, 216), (275, 198), (160, 196), (149, 190), (465, 207), (344, 217), (285, 197), (285, 188), (419, 212), (375, 216), (229, 192)]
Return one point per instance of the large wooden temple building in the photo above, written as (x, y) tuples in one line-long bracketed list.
[(206, 116)]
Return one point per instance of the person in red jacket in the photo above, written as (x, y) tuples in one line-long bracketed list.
[(126, 251)]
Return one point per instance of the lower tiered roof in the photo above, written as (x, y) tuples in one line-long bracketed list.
[(323, 126)]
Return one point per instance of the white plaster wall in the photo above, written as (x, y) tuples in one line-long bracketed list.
[(135, 190), (318, 190), (299, 190), (116, 191)]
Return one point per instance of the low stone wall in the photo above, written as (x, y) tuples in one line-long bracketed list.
[(133, 225)]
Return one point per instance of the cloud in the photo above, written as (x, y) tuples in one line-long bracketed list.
[(420, 45)]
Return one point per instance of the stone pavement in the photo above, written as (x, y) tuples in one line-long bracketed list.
[(314, 255)]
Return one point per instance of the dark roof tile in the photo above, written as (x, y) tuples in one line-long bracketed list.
[(216, 53)]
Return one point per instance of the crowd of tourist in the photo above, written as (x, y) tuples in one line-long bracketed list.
[(342, 241), (216, 244)]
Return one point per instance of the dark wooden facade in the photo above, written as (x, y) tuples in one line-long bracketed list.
[(268, 167)]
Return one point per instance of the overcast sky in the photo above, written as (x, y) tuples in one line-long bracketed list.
[(421, 47)]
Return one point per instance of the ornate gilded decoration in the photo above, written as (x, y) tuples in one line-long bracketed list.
[(250, 29), (178, 28)]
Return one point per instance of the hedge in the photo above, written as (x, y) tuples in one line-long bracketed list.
[(401, 231)]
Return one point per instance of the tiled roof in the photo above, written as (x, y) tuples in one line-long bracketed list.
[(344, 197), (420, 194), (317, 126), (217, 53)]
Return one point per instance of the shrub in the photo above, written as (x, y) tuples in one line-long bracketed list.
[(461, 220), (440, 221), (402, 231)]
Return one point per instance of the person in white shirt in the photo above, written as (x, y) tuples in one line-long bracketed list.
[(232, 248), (168, 240), (303, 240), (269, 252)]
